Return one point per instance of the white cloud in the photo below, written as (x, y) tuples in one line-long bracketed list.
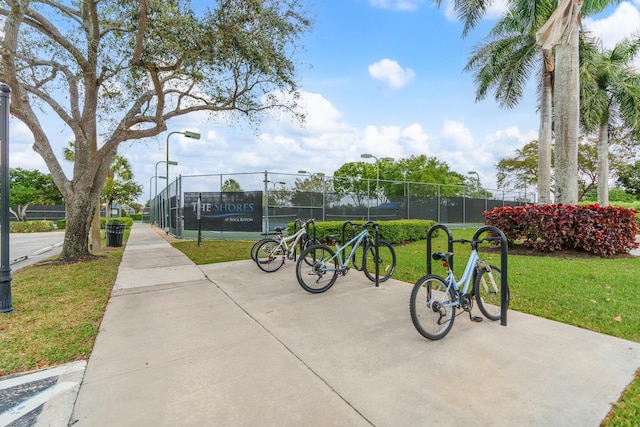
[(397, 4), (495, 10), (390, 72), (621, 24), (415, 138), (457, 133), (320, 114)]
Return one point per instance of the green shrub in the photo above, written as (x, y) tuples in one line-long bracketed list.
[(136, 216), (30, 226), (395, 231), (61, 224), (127, 221)]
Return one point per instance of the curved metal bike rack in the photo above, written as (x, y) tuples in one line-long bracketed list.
[(430, 244), (353, 231), (377, 252), (353, 234), (504, 285)]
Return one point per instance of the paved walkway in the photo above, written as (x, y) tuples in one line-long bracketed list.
[(227, 344)]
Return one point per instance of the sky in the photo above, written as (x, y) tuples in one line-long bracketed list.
[(383, 77)]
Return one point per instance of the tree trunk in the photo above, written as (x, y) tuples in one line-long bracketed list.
[(79, 215), (544, 141), (603, 165), (96, 243), (567, 101)]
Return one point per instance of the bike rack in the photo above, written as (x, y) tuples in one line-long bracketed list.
[(353, 234), (504, 286), (344, 227), (297, 224), (430, 244), (313, 223), (377, 253)]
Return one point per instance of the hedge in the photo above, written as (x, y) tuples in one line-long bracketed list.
[(599, 230), (127, 221), (395, 231), (30, 226)]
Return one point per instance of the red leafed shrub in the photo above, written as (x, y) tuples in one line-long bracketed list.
[(603, 231)]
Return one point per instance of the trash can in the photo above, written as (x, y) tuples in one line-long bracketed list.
[(114, 233)]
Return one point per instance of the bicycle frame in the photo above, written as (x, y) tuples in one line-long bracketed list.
[(289, 243), (284, 241), (465, 280), (356, 241)]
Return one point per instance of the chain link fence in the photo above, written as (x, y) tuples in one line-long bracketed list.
[(286, 197)]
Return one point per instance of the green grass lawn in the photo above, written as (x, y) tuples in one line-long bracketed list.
[(58, 309)]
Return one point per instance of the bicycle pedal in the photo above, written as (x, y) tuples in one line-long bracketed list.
[(476, 319)]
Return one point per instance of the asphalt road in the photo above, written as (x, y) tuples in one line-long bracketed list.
[(29, 248)]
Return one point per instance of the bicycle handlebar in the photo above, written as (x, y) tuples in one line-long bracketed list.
[(486, 239), (462, 241)]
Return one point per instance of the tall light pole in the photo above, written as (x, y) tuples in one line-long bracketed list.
[(477, 179), (371, 156), (188, 134), (161, 177), (6, 304)]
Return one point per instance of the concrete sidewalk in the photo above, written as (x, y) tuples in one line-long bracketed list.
[(227, 344)]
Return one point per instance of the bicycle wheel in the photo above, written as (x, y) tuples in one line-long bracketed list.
[(258, 243), (270, 256), (486, 287), (431, 312), (316, 269), (386, 261)]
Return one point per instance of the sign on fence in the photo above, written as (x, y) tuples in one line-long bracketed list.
[(228, 211)]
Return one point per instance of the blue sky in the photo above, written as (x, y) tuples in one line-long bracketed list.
[(378, 76)]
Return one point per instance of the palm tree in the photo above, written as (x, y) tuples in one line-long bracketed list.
[(230, 186), (119, 185), (504, 63), (610, 89), (561, 30)]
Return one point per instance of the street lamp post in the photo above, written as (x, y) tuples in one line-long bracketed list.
[(150, 197), (6, 304), (188, 134), (371, 156), (172, 163), (477, 180)]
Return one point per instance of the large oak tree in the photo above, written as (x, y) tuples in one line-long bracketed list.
[(129, 67)]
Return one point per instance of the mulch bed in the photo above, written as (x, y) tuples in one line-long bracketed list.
[(523, 250)]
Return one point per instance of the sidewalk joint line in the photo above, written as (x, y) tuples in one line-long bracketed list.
[(293, 353)]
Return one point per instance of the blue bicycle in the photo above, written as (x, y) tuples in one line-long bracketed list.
[(434, 299), (319, 265)]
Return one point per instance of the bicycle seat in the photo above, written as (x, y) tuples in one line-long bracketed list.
[(280, 229), (444, 256), (332, 238)]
